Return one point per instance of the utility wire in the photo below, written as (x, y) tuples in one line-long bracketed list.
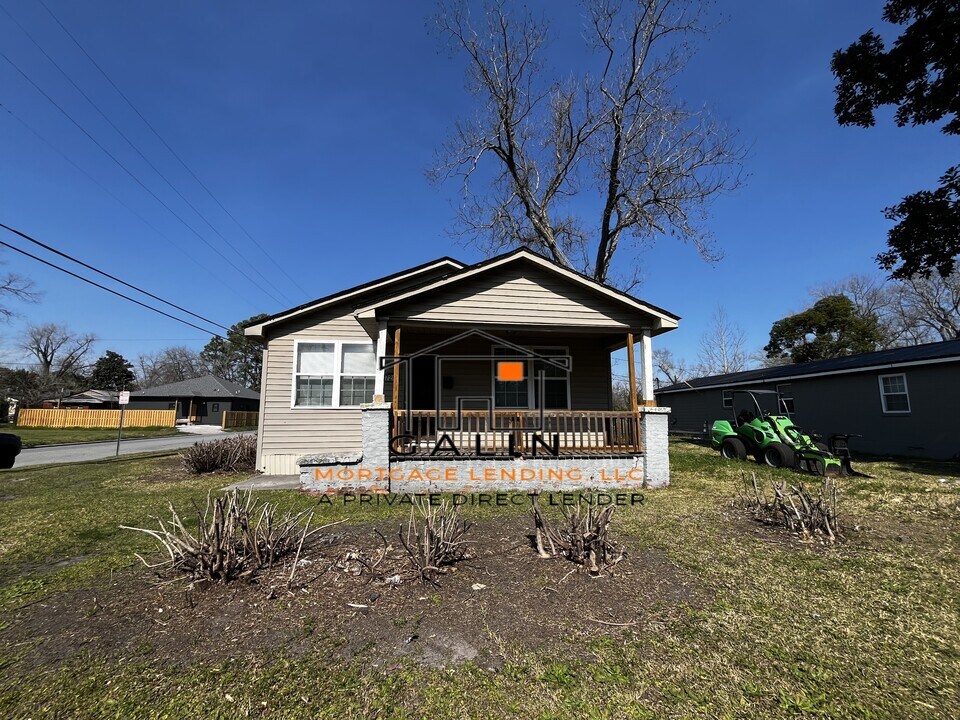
[(137, 150), (170, 149), (108, 275), (109, 290), (100, 185), (136, 179)]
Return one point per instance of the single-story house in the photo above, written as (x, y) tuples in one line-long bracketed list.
[(451, 376), (198, 401), (86, 400), (904, 401)]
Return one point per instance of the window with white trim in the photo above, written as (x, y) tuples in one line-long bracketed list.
[(334, 374), (728, 398), (893, 393)]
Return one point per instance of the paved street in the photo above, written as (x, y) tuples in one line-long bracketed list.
[(81, 452)]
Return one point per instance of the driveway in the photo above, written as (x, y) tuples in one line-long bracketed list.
[(81, 452)]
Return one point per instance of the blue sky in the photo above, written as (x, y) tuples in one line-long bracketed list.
[(314, 123)]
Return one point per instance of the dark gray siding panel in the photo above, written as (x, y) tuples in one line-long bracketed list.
[(850, 403)]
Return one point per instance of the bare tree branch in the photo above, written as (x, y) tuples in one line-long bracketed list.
[(16, 287), (722, 346), (540, 149)]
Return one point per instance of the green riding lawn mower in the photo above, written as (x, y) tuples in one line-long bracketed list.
[(762, 427)]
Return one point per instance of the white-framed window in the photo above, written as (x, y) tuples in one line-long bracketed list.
[(728, 398), (333, 373), (523, 394), (894, 395)]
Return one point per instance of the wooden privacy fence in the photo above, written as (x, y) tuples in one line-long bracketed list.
[(240, 418), (32, 417)]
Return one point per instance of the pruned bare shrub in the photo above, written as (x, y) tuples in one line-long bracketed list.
[(235, 538), (582, 536), (810, 513), (434, 537), (233, 454)]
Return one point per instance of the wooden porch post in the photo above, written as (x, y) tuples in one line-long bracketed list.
[(632, 373), (381, 352), (396, 370), (646, 350)]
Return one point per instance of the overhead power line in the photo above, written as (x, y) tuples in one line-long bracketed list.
[(118, 200), (135, 178), (108, 275), (169, 148), (137, 150), (109, 290)]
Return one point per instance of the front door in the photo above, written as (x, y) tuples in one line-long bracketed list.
[(423, 383)]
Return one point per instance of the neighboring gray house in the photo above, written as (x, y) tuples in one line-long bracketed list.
[(199, 401), (86, 400), (904, 401)]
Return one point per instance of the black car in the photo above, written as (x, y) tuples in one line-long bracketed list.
[(9, 449)]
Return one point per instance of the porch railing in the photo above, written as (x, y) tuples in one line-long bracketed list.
[(576, 432)]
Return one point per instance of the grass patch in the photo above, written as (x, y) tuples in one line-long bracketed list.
[(36, 437), (866, 629)]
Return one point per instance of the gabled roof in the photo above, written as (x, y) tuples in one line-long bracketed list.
[(667, 320), (90, 397), (945, 351), (367, 287), (458, 271), (209, 386)]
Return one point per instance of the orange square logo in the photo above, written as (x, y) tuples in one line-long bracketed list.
[(509, 371)]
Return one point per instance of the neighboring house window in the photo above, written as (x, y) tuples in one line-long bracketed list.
[(786, 395), (215, 408), (334, 374), (893, 393), (728, 398)]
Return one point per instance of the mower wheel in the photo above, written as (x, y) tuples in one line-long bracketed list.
[(733, 449), (778, 455), (822, 446)]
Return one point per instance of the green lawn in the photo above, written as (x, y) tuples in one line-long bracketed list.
[(868, 629), (34, 437)]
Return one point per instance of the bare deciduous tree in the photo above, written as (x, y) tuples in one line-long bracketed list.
[(618, 137), (59, 351), (912, 311), (722, 346), (171, 364), (16, 287), (931, 305), (673, 369)]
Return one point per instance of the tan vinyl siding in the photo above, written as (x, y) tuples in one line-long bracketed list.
[(515, 294), (288, 433)]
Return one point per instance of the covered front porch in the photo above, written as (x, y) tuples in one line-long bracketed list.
[(450, 396)]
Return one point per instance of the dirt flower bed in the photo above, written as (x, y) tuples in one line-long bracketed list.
[(501, 598)]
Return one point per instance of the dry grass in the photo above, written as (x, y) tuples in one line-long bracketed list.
[(869, 628)]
